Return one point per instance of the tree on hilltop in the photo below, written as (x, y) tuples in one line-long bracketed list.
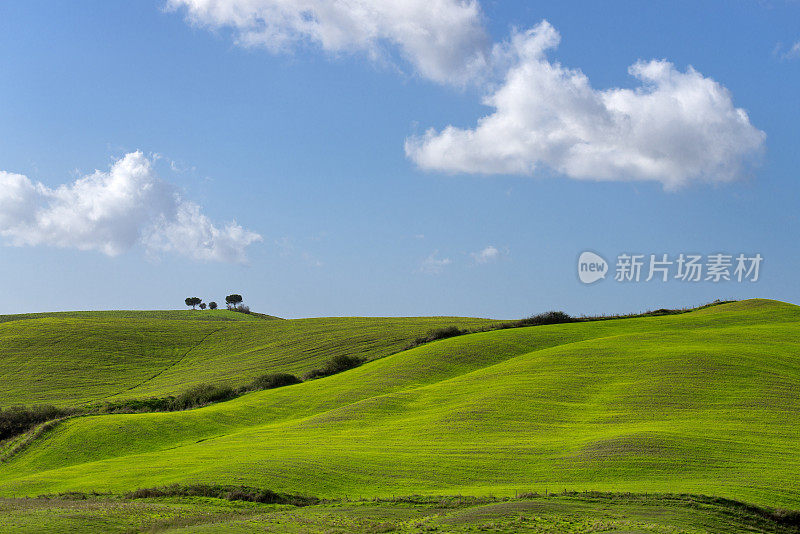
[(212, 305), (202, 305), (193, 301), (233, 300)]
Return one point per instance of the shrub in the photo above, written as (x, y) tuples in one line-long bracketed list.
[(551, 317), (17, 420), (273, 380), (442, 333), (152, 404), (231, 493), (337, 364), (343, 362), (202, 395)]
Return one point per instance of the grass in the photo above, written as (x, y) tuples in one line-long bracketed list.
[(566, 513), (72, 358), (161, 315), (703, 402)]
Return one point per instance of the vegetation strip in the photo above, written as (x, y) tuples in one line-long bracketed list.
[(546, 318), (17, 420), (747, 516)]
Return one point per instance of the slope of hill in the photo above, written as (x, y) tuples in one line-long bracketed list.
[(590, 512), (704, 402), (78, 357)]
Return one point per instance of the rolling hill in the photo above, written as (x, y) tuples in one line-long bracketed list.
[(704, 402), (81, 357)]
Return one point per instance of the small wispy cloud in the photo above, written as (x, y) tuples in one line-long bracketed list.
[(793, 52), (287, 249), (486, 255), (434, 265)]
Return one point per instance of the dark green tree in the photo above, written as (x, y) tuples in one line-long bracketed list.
[(202, 305), (193, 301), (212, 305), (233, 300)]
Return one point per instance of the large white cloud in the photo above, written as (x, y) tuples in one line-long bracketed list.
[(675, 127), (443, 39), (113, 211)]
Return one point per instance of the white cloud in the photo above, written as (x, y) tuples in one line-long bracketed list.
[(114, 211), (793, 52), (444, 40), (433, 265), (486, 255), (673, 128)]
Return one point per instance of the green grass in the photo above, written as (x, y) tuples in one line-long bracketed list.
[(562, 513), (71, 358), (704, 402), (162, 315)]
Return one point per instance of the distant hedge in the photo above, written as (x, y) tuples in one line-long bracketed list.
[(335, 365), (16, 420), (201, 395), (231, 493), (271, 381)]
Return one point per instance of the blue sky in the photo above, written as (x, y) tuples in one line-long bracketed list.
[(310, 133)]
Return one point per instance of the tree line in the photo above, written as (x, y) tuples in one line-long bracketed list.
[(234, 302)]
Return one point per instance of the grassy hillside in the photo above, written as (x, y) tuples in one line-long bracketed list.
[(704, 402), (167, 315), (535, 514), (78, 357)]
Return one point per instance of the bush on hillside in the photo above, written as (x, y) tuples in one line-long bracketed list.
[(551, 317), (16, 420), (337, 364), (272, 380), (152, 404), (437, 333), (202, 395), (195, 397), (441, 333), (231, 493)]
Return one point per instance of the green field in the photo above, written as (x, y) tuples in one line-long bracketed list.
[(78, 357), (705, 402), (561, 513)]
